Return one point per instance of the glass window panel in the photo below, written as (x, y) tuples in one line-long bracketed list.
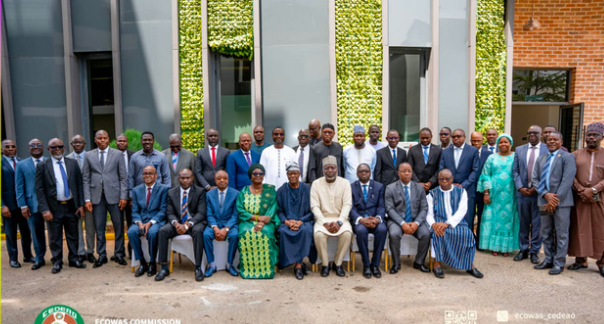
[(541, 85), (405, 95), (235, 89), (100, 95)]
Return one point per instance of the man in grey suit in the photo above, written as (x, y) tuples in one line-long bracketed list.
[(85, 247), (105, 181), (210, 160), (553, 177), (178, 158), (407, 207)]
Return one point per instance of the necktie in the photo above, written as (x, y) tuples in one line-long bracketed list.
[(394, 157), (126, 160), (531, 164), (184, 215), (492, 148), (14, 163), (174, 160), (457, 155), (213, 156), (221, 199), (301, 162), (545, 174), (64, 176), (426, 154), (365, 192), (408, 216), (79, 157), (247, 158), (36, 164), (102, 160), (148, 195)]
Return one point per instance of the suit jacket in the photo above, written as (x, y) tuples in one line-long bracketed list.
[(466, 172), (385, 171), (186, 160), (228, 215), (311, 160), (112, 178), (237, 169), (483, 156), (423, 172), (396, 206), (196, 204), (9, 196), (72, 156), (46, 189), (374, 206), (520, 171), (561, 177), (25, 184), (157, 204), (204, 170)]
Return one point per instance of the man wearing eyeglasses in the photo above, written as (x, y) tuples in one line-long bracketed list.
[(178, 158), (274, 157), (25, 186), (304, 155), (60, 194), (445, 137), (210, 160)]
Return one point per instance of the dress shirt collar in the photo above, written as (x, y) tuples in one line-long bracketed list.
[(215, 146), (153, 152), (366, 183), (425, 147), (462, 146), (535, 146), (105, 150), (182, 190), (554, 153), (54, 161), (242, 151), (225, 191), (152, 186)]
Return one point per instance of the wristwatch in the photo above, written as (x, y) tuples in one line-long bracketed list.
[(340, 223), (227, 229), (595, 191)]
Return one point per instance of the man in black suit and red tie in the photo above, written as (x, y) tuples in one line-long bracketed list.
[(388, 159), (210, 160), (425, 160)]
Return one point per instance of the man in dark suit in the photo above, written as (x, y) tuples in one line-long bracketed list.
[(462, 160), (388, 160), (186, 216), (178, 158), (222, 221), (61, 200), (314, 128), (239, 162), (526, 195), (106, 190), (553, 177), (11, 213), (304, 155), (209, 160), (407, 207), (121, 142), (148, 216), (25, 186), (483, 154), (425, 160), (491, 144)]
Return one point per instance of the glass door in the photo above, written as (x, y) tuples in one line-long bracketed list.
[(571, 126)]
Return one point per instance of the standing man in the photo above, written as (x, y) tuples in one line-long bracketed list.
[(105, 183), (528, 205), (587, 219), (274, 158), (483, 153), (209, 160), (407, 208), (462, 161), (240, 161), (445, 137), (178, 158), (374, 137), (314, 127), (368, 216), (324, 149), (388, 159), (11, 213), (145, 157), (553, 177), (25, 187), (425, 160), (121, 143), (358, 153), (259, 145), (304, 155), (491, 141), (61, 202), (85, 247)]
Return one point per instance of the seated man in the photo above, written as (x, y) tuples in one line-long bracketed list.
[(331, 202), (148, 216), (368, 216), (407, 208), (222, 221), (453, 241), (186, 215)]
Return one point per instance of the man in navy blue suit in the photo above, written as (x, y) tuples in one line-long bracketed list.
[(25, 186), (483, 153), (463, 162), (368, 216), (222, 222), (239, 162), (491, 144)]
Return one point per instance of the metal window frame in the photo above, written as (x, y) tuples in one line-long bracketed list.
[(569, 80)]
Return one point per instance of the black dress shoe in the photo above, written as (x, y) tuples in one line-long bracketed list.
[(162, 274), (556, 270), (438, 272), (521, 256), (152, 269), (375, 271), (474, 272), (420, 267), (100, 261), (141, 270), (534, 258), (81, 258), (29, 260), (601, 271), (395, 269), (56, 268), (543, 265), (77, 264), (90, 258), (299, 273), (38, 265), (198, 274), (367, 272), (305, 269), (576, 266), (120, 260), (339, 270), (324, 271), (15, 264)]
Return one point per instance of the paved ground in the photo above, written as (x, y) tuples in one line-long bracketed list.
[(112, 292)]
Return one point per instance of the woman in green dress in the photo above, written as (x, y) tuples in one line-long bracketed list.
[(499, 226), (258, 220)]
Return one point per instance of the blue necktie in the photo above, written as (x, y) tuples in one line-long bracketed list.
[(408, 216), (492, 148), (365, 192), (185, 209), (394, 157), (64, 176), (457, 156), (544, 180), (221, 199), (426, 154)]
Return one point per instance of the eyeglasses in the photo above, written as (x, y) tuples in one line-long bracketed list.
[(174, 146), (445, 179), (457, 136), (303, 136), (278, 134), (444, 134), (363, 171), (56, 147), (532, 133), (146, 174), (10, 146), (257, 174), (35, 145)]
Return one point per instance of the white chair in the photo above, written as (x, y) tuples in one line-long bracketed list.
[(355, 248), (409, 247), (221, 249), (332, 248), (183, 244), (145, 247)]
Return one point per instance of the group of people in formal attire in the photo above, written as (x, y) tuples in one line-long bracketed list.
[(278, 205)]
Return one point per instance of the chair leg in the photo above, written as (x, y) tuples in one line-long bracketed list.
[(179, 258), (171, 260), (132, 269), (353, 258), (386, 259), (431, 261)]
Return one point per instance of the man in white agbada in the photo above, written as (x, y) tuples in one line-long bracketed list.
[(331, 202), (358, 153), (274, 158)]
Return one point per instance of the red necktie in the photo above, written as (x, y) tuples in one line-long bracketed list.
[(148, 195), (213, 156), (14, 164)]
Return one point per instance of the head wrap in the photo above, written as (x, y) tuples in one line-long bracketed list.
[(506, 136), (595, 127), (254, 167), (358, 129), (330, 160), (291, 166)]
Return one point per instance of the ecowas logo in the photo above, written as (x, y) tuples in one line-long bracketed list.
[(59, 314)]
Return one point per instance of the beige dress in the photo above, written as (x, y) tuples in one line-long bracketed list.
[(331, 202)]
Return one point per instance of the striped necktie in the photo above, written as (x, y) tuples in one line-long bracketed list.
[(174, 160), (426, 154), (184, 210), (544, 179)]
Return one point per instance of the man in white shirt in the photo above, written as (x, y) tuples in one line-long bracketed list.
[(358, 153), (374, 138), (274, 158)]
